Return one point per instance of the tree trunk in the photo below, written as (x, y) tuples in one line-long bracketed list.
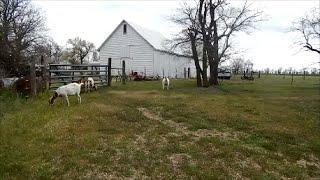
[(211, 79), (214, 63), (215, 73), (33, 84), (204, 68), (199, 79), (196, 59)]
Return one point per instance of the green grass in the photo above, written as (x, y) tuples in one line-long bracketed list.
[(266, 129)]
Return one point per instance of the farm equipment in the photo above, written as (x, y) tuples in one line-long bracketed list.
[(142, 77), (248, 73)]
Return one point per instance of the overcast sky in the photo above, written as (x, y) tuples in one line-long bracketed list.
[(270, 46)]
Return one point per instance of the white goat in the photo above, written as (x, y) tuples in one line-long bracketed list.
[(69, 89), (165, 83), (91, 83)]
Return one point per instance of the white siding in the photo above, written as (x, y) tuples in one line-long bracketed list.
[(140, 56), (169, 64), (130, 47)]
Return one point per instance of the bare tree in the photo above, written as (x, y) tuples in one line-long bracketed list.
[(50, 50), (237, 65), (95, 56), (21, 31), (309, 28), (215, 22), (225, 21), (78, 50), (189, 37)]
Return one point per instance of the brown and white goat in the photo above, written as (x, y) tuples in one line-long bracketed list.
[(66, 90)]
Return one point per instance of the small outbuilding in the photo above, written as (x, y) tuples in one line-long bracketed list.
[(143, 51)]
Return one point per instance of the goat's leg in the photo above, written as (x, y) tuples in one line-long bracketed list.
[(79, 98), (67, 99)]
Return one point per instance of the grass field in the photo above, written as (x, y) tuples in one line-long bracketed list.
[(266, 129)]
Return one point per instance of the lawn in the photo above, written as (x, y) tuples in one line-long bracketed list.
[(266, 129)]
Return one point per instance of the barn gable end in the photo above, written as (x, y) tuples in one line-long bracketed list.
[(131, 47), (143, 51)]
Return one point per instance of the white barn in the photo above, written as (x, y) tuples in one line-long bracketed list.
[(143, 51)]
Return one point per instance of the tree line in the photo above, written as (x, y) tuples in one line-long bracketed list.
[(24, 39), (207, 31)]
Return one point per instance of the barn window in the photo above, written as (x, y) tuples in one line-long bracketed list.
[(124, 29)]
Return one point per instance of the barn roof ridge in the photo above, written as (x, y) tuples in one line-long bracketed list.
[(154, 38)]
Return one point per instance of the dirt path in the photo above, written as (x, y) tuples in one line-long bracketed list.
[(183, 130)]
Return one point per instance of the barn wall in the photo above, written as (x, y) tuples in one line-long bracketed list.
[(172, 65), (130, 47)]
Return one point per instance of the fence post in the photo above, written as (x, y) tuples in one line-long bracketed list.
[(176, 73), (123, 72), (291, 78), (49, 78), (185, 72), (188, 72), (33, 84), (109, 72), (259, 75), (162, 73), (45, 74)]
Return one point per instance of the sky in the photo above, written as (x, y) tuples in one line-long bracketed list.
[(271, 45)]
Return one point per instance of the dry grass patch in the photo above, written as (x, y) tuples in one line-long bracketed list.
[(232, 135), (105, 108), (177, 160), (150, 115), (200, 133)]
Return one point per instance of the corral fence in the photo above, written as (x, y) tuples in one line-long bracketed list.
[(43, 77), (61, 74)]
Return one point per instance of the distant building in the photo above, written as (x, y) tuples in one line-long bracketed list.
[(143, 50)]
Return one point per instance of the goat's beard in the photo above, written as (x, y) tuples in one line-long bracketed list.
[(51, 99)]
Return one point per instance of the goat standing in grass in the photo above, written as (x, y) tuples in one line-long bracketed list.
[(91, 84), (69, 89), (165, 83), (88, 84)]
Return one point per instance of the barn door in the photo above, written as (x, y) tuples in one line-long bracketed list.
[(126, 56)]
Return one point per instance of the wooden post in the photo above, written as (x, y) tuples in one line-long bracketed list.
[(106, 82), (304, 74), (145, 72), (176, 73), (45, 74), (291, 77), (123, 72), (189, 72), (185, 72), (33, 84), (49, 76), (259, 75), (162, 73), (109, 77)]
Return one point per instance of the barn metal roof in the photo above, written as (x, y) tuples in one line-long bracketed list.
[(154, 38)]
